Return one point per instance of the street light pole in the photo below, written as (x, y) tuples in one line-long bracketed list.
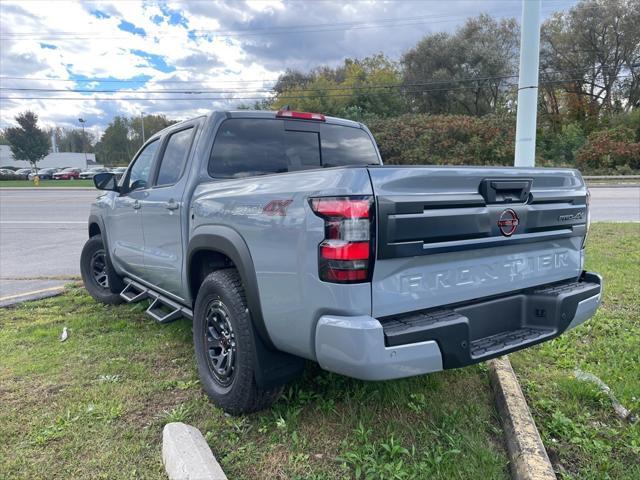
[(142, 122), (528, 85), (84, 146)]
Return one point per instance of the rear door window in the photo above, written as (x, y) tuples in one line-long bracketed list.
[(249, 146), (174, 157)]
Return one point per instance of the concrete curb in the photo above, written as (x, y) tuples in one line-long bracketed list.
[(31, 296), (527, 455), (186, 455)]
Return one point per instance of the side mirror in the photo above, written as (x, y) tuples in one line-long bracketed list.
[(106, 181)]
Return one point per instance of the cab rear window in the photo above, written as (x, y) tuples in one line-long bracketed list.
[(250, 146)]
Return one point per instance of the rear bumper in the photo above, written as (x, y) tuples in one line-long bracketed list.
[(454, 336)]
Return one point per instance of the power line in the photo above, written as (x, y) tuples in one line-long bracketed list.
[(284, 30), (118, 80), (191, 82), (287, 29), (257, 90), (274, 29), (279, 97), (201, 91)]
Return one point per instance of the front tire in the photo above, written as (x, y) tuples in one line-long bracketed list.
[(224, 345), (97, 274)]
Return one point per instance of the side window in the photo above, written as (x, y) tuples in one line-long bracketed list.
[(140, 171), (174, 157)]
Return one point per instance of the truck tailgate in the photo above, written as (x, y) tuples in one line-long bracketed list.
[(448, 235)]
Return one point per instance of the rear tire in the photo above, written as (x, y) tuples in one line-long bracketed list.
[(224, 345), (97, 273)]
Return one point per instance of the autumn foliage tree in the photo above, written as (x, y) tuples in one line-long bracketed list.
[(369, 85)]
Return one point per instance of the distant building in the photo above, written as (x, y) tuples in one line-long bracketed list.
[(57, 159)]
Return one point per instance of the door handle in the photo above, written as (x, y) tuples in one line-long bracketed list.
[(172, 205), (136, 205)]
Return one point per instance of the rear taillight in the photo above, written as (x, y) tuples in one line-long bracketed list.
[(346, 253)]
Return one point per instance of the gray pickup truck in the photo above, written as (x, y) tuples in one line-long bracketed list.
[(285, 239)]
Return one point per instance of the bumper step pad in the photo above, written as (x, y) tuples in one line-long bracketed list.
[(401, 330), (505, 340)]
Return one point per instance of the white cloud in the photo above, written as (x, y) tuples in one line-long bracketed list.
[(214, 45)]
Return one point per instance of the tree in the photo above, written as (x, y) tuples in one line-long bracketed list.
[(114, 146), (152, 125), (463, 73), (367, 86), (72, 139), (28, 141), (123, 137), (590, 59)]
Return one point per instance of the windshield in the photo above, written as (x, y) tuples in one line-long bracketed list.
[(250, 146)]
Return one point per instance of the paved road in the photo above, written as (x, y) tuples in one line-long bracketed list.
[(42, 232), (621, 204), (41, 235)]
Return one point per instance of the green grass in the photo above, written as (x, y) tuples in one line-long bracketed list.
[(46, 183), (584, 437), (94, 407)]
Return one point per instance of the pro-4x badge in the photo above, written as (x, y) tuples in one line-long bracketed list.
[(276, 208), (508, 222), (575, 216)]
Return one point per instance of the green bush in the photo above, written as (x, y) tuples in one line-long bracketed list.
[(420, 139), (416, 139), (561, 148)]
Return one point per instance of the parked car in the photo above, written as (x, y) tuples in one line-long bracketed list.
[(23, 173), (44, 173), (118, 171), (7, 174), (9, 167), (284, 238), (67, 174), (87, 174)]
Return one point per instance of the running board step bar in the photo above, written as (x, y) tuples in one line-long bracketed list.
[(161, 308), (133, 292)]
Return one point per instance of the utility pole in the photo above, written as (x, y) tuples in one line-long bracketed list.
[(142, 122), (84, 146), (528, 84)]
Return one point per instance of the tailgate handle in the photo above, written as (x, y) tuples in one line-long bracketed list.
[(505, 191)]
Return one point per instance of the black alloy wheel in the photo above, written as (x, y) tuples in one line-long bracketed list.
[(98, 267), (220, 343)]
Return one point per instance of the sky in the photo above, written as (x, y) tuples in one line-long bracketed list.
[(131, 56)]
